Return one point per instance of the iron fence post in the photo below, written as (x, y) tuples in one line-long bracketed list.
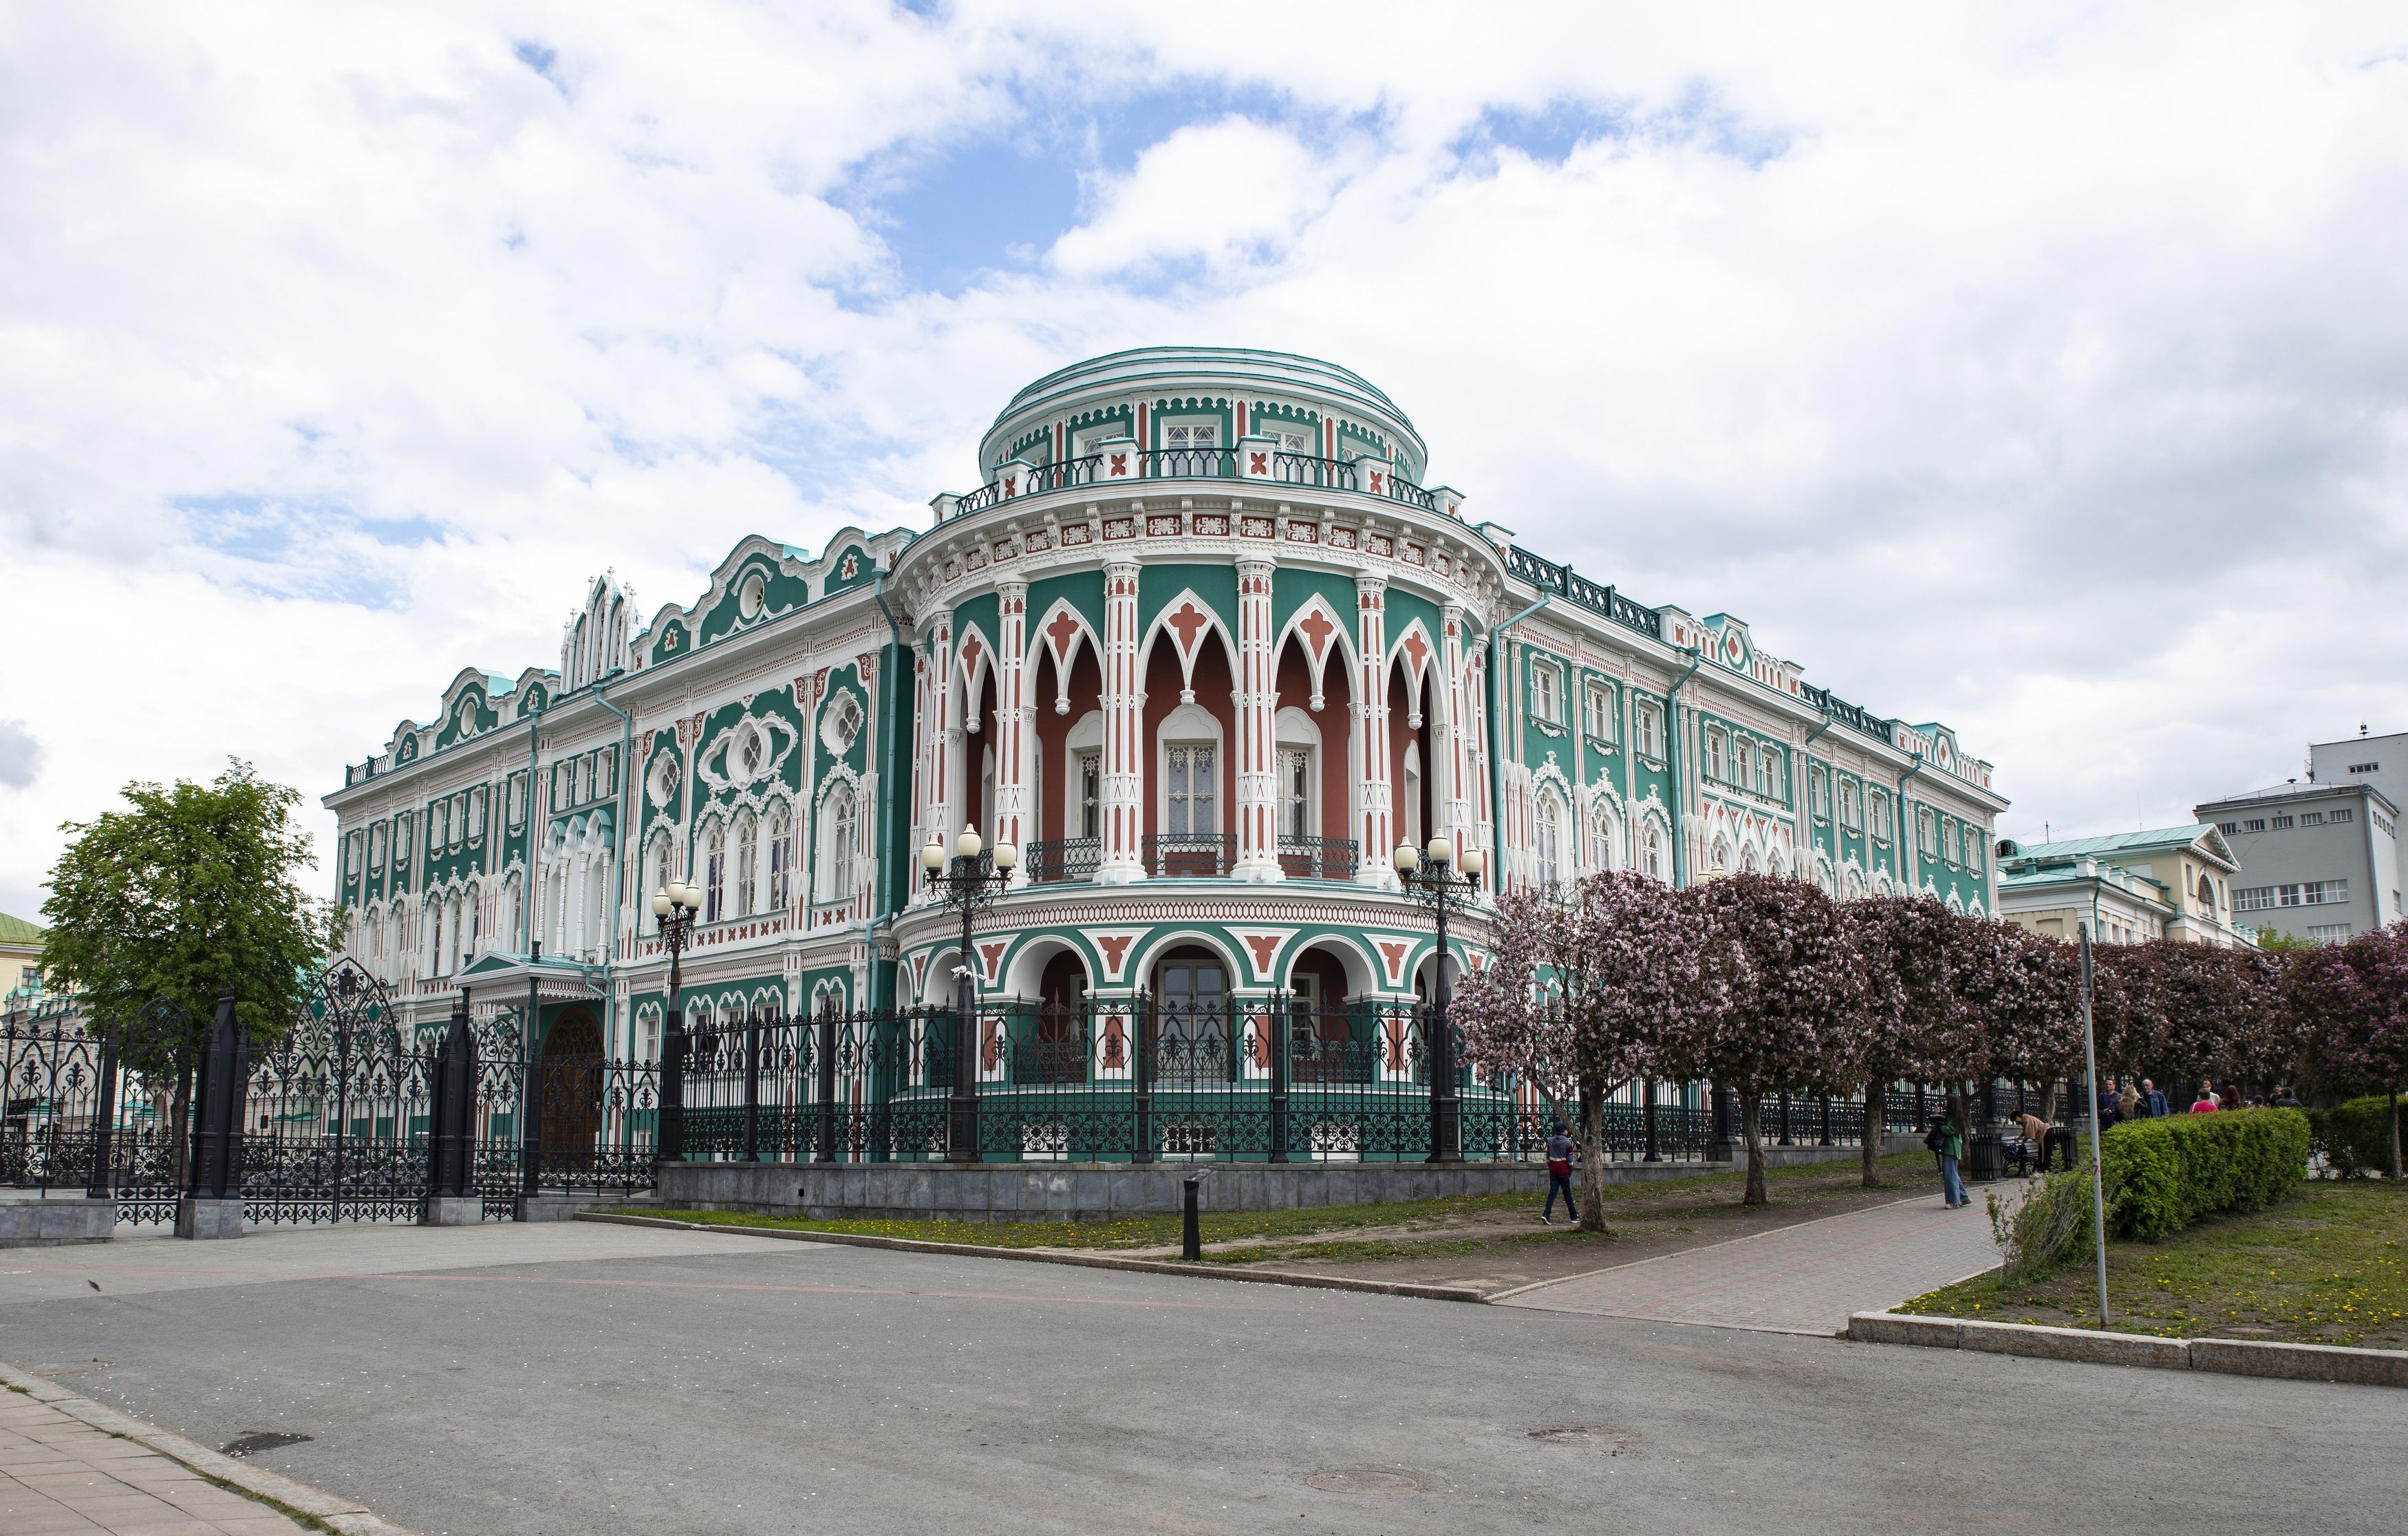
[(1142, 1079), (825, 1073), (103, 1184), (962, 1129), (216, 1171), (1446, 1116), (530, 1100), (1824, 1139), (1721, 1152), (448, 1170), (753, 1082), (1647, 1118), (1282, 1031)]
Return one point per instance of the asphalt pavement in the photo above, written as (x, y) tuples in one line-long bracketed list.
[(638, 1382)]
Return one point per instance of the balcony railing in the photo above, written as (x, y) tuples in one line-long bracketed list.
[(1573, 587), (1191, 856), (1048, 859), (1318, 859), (1122, 466)]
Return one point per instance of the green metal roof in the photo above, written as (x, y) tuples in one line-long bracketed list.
[(2117, 842), (16, 930)]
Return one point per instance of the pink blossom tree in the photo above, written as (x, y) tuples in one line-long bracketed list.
[(1792, 1024), (2356, 999), (1581, 996), (1911, 1024)]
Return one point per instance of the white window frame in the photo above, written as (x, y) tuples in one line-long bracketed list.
[(1188, 727)]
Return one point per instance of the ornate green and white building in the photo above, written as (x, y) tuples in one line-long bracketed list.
[(1205, 644)]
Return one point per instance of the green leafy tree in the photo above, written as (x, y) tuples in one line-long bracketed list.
[(187, 891)]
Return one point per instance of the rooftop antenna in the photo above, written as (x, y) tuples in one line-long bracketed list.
[(2361, 727)]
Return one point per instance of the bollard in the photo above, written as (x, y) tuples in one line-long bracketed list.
[(1191, 1233)]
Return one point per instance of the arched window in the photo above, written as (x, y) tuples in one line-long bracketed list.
[(838, 824), (714, 876), (748, 864), (1652, 855), (1547, 842), (1602, 839), (780, 836), (1720, 859), (2206, 896)]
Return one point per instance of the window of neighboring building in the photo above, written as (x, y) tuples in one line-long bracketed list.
[(2228, 828), (2328, 933), (2365, 767), (2343, 815), (2282, 822), (2256, 825)]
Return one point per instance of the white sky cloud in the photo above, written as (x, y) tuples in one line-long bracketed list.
[(2044, 372)]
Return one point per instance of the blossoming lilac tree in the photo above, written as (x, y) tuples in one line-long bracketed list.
[(1581, 996), (1911, 1024), (2356, 999), (1794, 1023)]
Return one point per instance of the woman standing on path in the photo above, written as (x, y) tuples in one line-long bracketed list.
[(1560, 1177), (1951, 1147)]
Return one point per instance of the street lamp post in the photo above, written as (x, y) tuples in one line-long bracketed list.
[(674, 906), (976, 876), (1429, 877)]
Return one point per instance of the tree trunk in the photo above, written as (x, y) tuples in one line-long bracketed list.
[(1592, 1180), (1751, 1122), (1876, 1130), (2393, 1097)]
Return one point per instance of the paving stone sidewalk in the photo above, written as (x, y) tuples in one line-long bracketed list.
[(69, 1465), (1804, 1279), (58, 1474)]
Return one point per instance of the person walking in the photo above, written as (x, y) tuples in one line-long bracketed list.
[(2110, 1104), (2153, 1103), (1949, 1142), (1559, 1176)]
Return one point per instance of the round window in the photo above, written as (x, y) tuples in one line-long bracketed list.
[(751, 597)]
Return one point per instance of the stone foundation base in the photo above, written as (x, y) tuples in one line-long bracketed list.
[(43, 1224), (452, 1211), (197, 1218)]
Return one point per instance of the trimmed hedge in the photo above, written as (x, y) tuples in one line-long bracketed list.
[(2160, 1176), (2164, 1174), (2355, 1137)]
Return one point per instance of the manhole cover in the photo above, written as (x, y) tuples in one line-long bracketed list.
[(252, 1442), (1361, 1480)]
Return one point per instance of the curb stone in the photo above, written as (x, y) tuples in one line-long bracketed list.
[(2232, 1356), (344, 1514), (1056, 1256)]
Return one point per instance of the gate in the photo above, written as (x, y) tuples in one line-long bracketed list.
[(333, 1121)]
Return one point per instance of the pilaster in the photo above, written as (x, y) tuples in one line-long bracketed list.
[(1124, 788), (1257, 741)]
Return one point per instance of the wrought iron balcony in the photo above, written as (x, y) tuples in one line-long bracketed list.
[(1191, 856), (1051, 859), (1318, 859), (1126, 466)]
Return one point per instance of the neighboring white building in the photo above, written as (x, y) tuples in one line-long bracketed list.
[(2172, 883), (2319, 861)]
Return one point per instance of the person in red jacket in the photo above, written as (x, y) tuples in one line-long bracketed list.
[(1559, 1176)]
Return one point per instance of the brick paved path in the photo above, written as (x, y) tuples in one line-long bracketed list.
[(69, 1465), (1804, 1279), (58, 1474)]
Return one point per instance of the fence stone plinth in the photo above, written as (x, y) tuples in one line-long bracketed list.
[(452, 1211), (209, 1217), (43, 1224)]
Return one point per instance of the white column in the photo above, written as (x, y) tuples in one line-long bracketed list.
[(943, 736), (1452, 759), (1374, 817), (1257, 737), (1124, 807), (1012, 715)]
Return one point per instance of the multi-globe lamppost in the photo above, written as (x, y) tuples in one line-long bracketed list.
[(975, 876), (674, 906), (1429, 877)]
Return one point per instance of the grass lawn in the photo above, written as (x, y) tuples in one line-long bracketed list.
[(1405, 1229), (2328, 1265)]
